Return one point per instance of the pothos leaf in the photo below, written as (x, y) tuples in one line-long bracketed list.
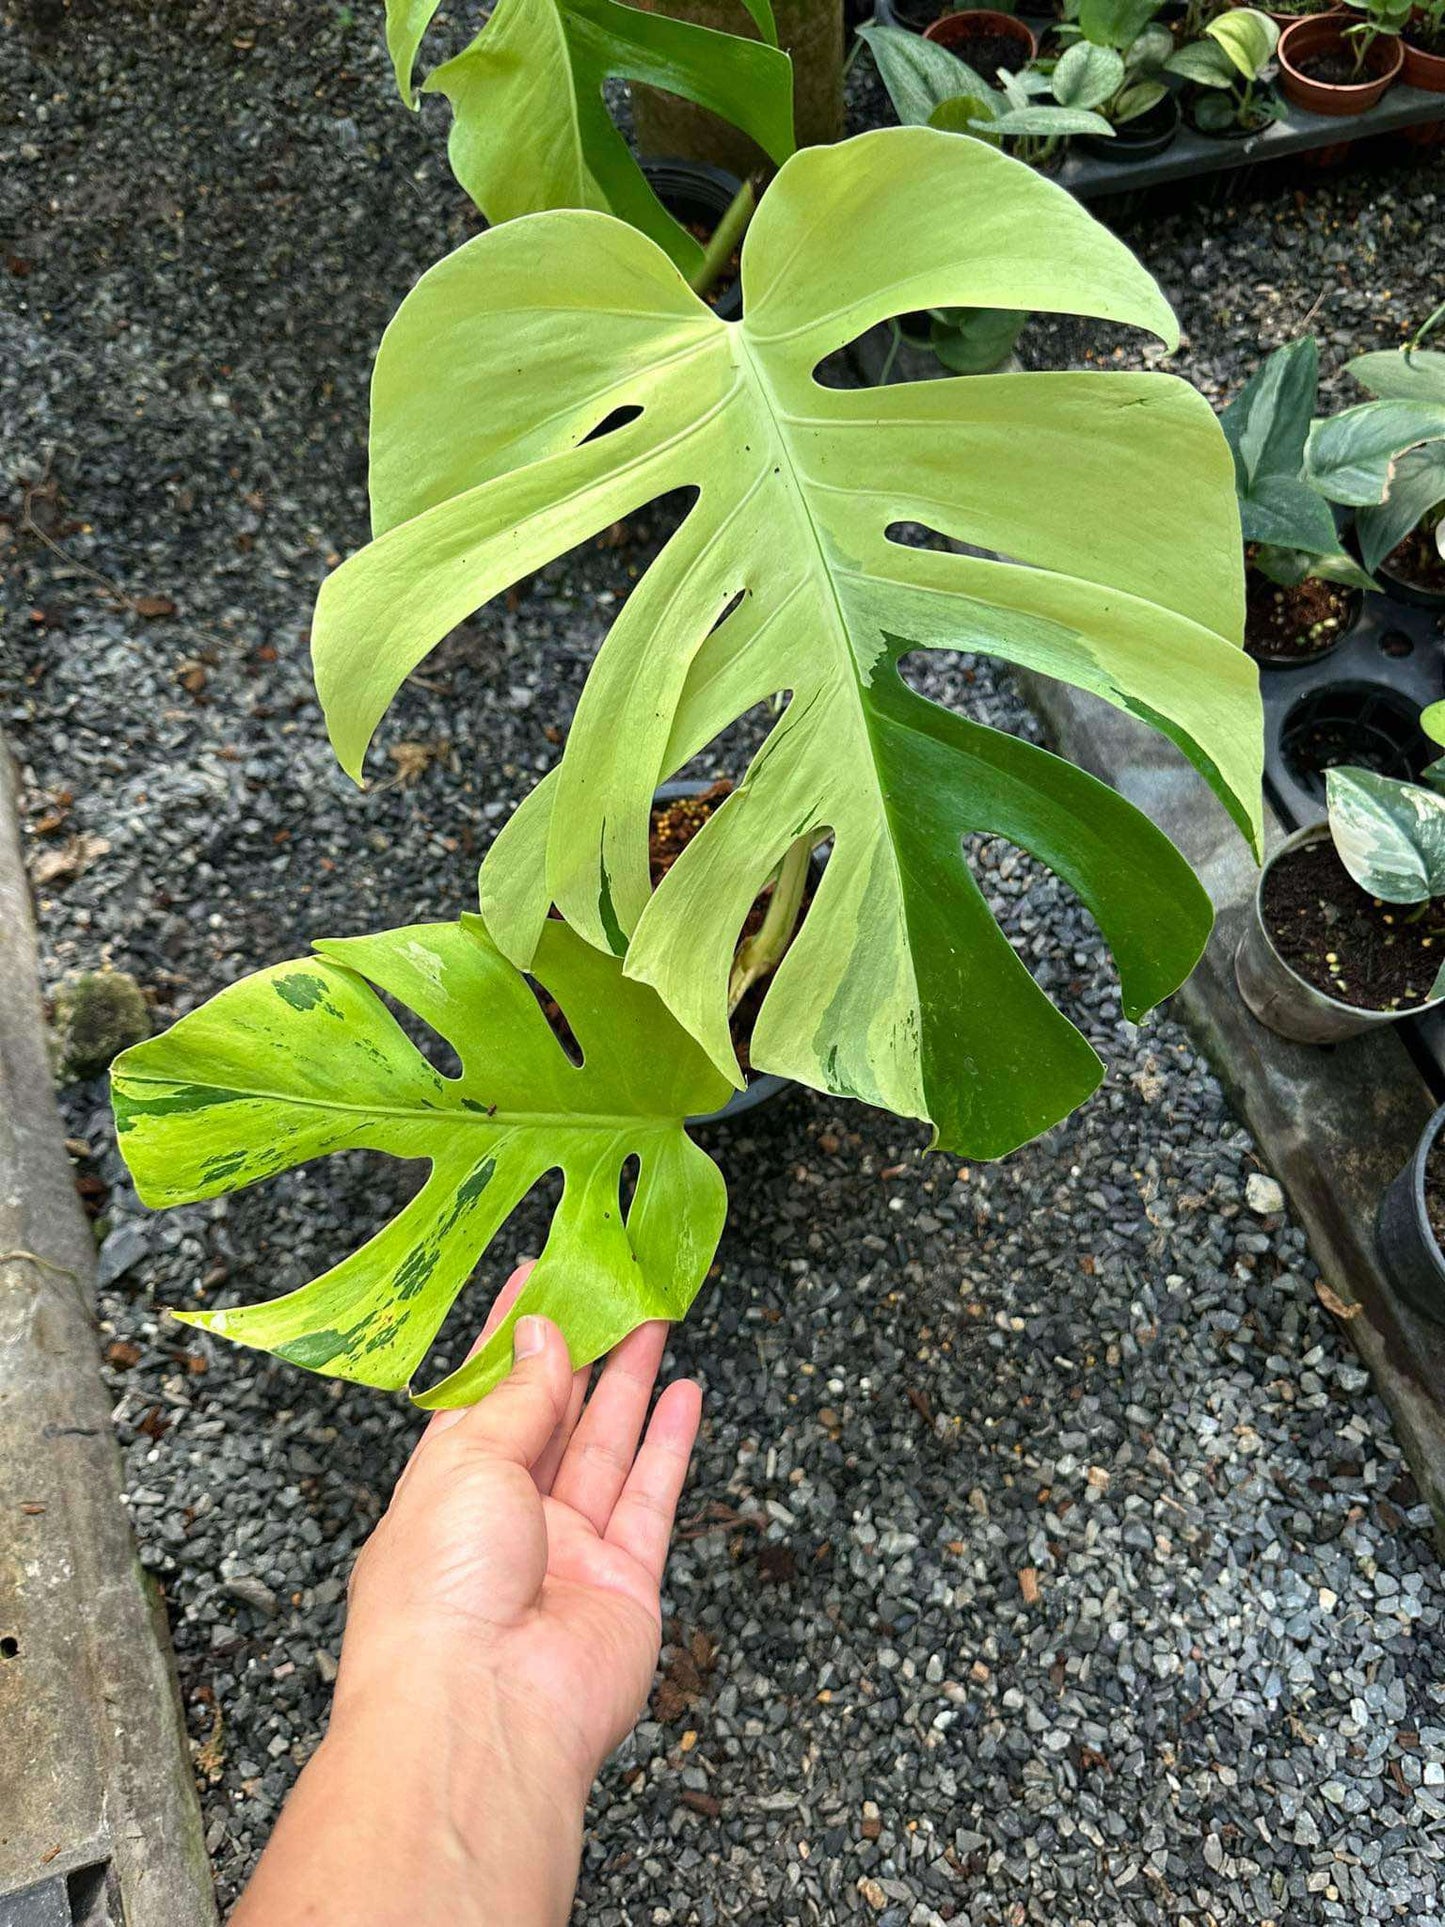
[(1351, 456), (1266, 426), (1417, 489), (305, 1059), (531, 128), (919, 74), (1401, 374), (1389, 835), (899, 987)]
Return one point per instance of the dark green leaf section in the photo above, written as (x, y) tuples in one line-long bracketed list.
[(305, 1060), (1000, 1064)]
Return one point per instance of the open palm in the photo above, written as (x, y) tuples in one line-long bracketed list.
[(531, 1530)]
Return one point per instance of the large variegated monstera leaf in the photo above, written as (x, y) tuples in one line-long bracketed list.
[(1112, 494), (530, 125), (305, 1059)]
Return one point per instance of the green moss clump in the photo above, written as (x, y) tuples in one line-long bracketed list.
[(97, 1016)]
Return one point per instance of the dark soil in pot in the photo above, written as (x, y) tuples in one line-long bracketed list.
[(985, 41), (1333, 66), (1350, 945), (1418, 563), (986, 53), (1285, 626)]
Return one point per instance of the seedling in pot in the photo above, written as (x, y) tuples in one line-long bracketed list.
[(1234, 62), (1380, 19), (1304, 591), (1387, 458)]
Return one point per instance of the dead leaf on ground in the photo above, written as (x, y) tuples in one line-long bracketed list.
[(413, 760), (153, 607), (74, 857), (1333, 1303)]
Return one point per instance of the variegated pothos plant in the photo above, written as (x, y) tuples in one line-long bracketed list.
[(1091, 535)]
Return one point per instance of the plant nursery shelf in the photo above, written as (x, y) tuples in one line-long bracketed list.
[(1192, 154)]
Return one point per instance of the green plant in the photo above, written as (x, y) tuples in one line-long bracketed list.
[(552, 376), (1387, 457), (1115, 52), (1234, 61), (1425, 27), (1283, 514), (1380, 19), (931, 87), (1390, 835), (530, 125)]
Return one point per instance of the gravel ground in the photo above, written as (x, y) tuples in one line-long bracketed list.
[(1048, 1558)]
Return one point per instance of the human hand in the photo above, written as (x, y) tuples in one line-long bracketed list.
[(501, 1638)]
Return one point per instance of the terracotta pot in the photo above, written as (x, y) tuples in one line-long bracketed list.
[(1324, 33), (1422, 69), (955, 30)]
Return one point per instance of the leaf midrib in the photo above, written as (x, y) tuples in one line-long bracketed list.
[(506, 1120)]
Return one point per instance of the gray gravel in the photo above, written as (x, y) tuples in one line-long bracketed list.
[(1048, 1558)]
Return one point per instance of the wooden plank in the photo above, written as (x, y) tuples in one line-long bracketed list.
[(96, 1791)]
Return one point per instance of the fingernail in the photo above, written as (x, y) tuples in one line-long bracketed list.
[(529, 1339)]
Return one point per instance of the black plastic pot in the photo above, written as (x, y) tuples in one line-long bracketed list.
[(1401, 590), (1292, 660), (762, 1086), (1407, 1245), (692, 191), (1140, 139)]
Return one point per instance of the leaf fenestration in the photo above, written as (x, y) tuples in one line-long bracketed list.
[(304, 1060)]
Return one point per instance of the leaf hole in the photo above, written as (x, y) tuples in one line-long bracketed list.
[(610, 423)]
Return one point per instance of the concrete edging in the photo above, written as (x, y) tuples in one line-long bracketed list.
[(1336, 1122), (99, 1818)]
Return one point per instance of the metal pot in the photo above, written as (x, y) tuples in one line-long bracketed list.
[(1284, 1001), (1408, 1248)]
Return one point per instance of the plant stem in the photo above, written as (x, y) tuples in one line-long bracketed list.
[(726, 235), (892, 355), (763, 951), (1430, 322)]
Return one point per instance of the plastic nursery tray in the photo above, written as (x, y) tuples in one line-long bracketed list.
[(1361, 702), (1192, 154)]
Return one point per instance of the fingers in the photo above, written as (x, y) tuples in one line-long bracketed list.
[(641, 1522), (544, 1472), (517, 1419), (597, 1462), (501, 1305)]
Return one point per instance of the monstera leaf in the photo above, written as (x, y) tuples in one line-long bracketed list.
[(306, 1059), (1110, 495), (531, 128)]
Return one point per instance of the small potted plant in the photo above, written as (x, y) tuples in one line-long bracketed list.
[(1303, 593), (1233, 66), (1332, 65), (1423, 38), (931, 87), (1386, 458), (1348, 931), (986, 39), (1112, 63)]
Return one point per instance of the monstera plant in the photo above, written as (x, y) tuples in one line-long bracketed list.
[(530, 126), (550, 378)]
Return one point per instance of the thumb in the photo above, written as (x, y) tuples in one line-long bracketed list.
[(517, 1419)]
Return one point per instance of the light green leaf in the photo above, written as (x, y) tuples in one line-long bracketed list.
[(1204, 63), (1389, 835), (1086, 75), (305, 1059), (782, 577), (1351, 457), (1148, 51), (1115, 23), (1248, 38), (1137, 100), (531, 128), (1401, 374), (920, 76), (1266, 426), (971, 114), (1021, 122), (1417, 487)]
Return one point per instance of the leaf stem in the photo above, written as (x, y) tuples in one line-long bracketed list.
[(1426, 327), (763, 951), (725, 237)]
